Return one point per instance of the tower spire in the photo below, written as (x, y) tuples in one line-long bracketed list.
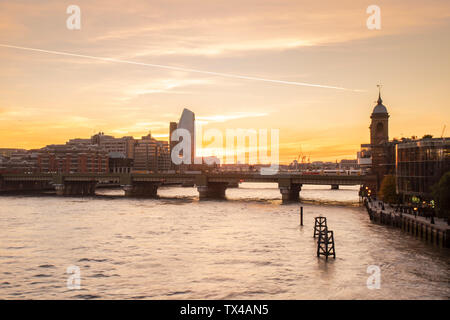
[(380, 101)]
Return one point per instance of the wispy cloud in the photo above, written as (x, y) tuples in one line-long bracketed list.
[(164, 86), (140, 127), (228, 117), (268, 26), (219, 48)]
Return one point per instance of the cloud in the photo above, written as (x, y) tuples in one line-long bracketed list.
[(164, 86), (228, 117), (160, 135), (182, 30), (154, 28), (141, 128)]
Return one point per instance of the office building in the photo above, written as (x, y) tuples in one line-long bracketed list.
[(420, 164), (72, 158), (151, 155)]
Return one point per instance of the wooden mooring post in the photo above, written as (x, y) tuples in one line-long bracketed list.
[(301, 216), (319, 225), (325, 244)]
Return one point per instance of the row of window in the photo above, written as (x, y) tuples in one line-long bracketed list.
[(423, 154)]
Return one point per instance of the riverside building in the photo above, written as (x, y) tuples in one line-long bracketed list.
[(420, 164)]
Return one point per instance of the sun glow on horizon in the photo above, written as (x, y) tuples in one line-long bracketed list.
[(132, 68)]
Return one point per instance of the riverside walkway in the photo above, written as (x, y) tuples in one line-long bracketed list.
[(434, 230)]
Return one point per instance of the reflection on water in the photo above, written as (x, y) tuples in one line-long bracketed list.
[(247, 247)]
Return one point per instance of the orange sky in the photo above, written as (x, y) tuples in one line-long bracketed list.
[(47, 98)]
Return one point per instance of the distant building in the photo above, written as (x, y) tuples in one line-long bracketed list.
[(379, 155), (420, 164), (187, 121), (233, 167), (124, 145), (19, 161), (7, 152), (364, 157), (244, 167), (417, 164), (72, 158), (100, 153), (172, 127), (119, 164), (349, 164), (383, 151), (78, 141), (344, 164), (212, 160), (151, 155), (127, 154)]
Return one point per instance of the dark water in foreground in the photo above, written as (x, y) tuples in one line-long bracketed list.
[(179, 248)]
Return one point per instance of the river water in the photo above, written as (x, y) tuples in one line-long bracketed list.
[(249, 246)]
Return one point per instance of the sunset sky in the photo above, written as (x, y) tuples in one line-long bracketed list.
[(48, 98)]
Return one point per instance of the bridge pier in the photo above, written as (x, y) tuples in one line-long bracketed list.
[(213, 190), (290, 193), (146, 189), (59, 189), (334, 187), (76, 188)]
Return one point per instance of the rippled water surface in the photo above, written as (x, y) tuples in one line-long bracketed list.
[(247, 247)]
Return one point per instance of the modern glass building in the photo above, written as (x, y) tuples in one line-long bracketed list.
[(420, 164), (187, 121)]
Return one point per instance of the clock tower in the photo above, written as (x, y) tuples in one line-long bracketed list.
[(379, 127)]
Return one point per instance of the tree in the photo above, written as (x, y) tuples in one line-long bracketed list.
[(427, 136), (388, 190), (441, 195)]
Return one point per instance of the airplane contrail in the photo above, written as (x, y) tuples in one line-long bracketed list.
[(227, 75)]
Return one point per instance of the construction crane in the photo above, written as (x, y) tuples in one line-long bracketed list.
[(443, 131), (298, 161), (299, 157)]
